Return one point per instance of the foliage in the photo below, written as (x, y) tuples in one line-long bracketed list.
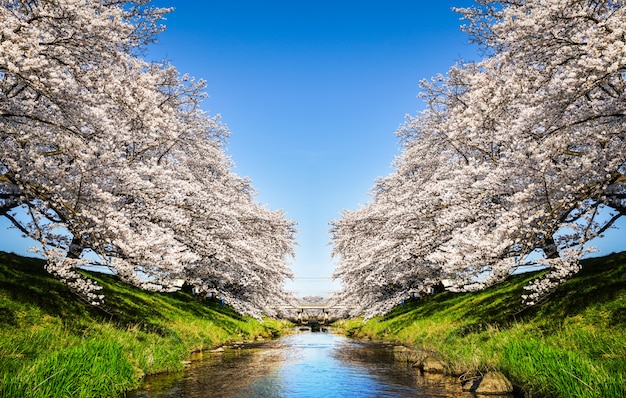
[(102, 152), (518, 159), (52, 344), (572, 345)]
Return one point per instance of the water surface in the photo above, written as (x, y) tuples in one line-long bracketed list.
[(300, 365)]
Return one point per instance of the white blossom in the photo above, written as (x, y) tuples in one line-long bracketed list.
[(514, 154), (111, 153)]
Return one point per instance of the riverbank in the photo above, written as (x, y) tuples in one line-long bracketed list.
[(571, 345), (52, 345)]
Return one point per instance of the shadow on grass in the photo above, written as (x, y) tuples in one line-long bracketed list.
[(600, 281), (127, 304), (24, 280)]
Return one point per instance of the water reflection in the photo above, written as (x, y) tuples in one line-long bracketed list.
[(300, 365)]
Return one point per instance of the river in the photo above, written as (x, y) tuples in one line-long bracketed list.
[(300, 365)]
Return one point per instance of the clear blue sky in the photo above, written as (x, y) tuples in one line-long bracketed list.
[(313, 92)]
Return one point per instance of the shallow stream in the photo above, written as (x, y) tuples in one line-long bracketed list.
[(300, 365)]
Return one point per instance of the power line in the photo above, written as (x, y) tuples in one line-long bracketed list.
[(314, 279)]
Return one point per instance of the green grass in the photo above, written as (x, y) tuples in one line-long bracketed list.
[(572, 345), (53, 345)]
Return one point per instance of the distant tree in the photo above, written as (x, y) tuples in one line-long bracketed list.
[(520, 153), (107, 152)]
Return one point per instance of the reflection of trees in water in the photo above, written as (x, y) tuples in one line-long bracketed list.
[(378, 358), (309, 364), (217, 375), (439, 382), (364, 354), (236, 370)]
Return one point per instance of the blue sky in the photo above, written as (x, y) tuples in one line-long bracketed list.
[(313, 92)]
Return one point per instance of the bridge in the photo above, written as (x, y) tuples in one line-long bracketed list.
[(313, 315)]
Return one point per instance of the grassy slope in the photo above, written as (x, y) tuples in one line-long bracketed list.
[(52, 345), (572, 345)]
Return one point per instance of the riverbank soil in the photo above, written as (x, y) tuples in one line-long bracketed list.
[(53, 345), (573, 344)]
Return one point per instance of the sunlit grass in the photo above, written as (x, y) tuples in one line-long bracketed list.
[(86, 369), (573, 345), (52, 345)]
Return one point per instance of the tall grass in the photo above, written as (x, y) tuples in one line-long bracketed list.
[(544, 369), (572, 345), (52, 345), (92, 369)]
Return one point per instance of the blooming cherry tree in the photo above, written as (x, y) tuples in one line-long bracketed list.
[(519, 154), (109, 153)]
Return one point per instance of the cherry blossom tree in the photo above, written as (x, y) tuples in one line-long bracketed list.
[(521, 153), (109, 153)]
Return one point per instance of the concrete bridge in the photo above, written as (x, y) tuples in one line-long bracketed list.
[(314, 314)]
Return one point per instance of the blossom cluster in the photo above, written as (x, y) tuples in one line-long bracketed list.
[(109, 154), (518, 159)]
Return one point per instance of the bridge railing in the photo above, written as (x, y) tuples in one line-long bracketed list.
[(313, 313)]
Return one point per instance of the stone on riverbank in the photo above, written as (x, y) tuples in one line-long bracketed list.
[(494, 383), (418, 359), (405, 354), (433, 365)]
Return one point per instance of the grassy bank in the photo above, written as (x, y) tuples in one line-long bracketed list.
[(572, 345), (52, 345)]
